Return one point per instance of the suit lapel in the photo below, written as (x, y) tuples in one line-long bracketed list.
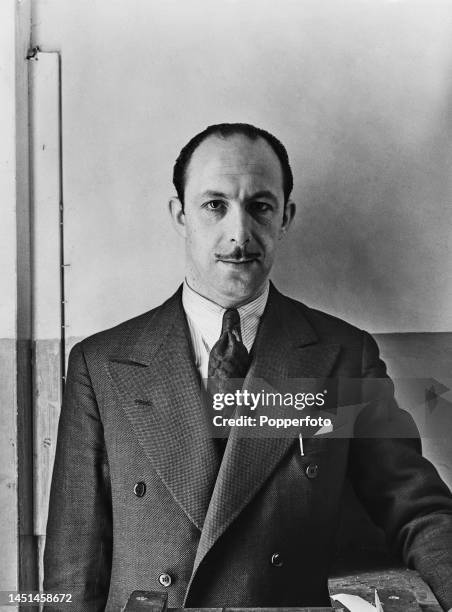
[(159, 388), (286, 346)]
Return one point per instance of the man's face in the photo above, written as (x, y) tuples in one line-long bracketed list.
[(234, 217)]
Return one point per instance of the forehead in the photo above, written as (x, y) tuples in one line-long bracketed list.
[(236, 161)]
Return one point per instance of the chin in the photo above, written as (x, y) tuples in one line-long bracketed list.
[(239, 290)]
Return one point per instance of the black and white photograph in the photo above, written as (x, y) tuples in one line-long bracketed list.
[(226, 305)]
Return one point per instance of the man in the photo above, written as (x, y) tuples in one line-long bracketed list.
[(143, 497)]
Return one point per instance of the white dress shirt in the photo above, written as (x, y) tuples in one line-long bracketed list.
[(205, 319)]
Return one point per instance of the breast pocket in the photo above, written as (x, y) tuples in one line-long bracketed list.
[(321, 464)]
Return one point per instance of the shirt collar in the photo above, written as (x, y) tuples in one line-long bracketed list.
[(207, 316)]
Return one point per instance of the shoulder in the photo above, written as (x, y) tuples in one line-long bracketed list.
[(125, 335), (357, 346), (327, 327), (118, 334)]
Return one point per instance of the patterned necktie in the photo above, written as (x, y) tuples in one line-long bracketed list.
[(228, 360), (228, 357)]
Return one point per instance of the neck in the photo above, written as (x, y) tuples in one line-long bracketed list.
[(225, 301)]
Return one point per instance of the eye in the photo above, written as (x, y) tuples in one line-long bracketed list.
[(214, 205), (261, 207)]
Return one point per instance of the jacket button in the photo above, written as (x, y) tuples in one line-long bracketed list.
[(165, 580), (312, 471), (139, 489), (276, 560)]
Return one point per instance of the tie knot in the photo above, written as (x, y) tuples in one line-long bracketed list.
[(231, 321)]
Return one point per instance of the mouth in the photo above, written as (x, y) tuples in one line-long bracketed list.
[(238, 262)]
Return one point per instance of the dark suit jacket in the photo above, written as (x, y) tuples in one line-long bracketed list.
[(133, 413)]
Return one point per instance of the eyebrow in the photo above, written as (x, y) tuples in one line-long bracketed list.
[(265, 193)]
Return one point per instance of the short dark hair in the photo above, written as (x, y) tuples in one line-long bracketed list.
[(225, 130)]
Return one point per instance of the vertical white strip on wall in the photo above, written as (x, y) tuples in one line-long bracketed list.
[(45, 105)]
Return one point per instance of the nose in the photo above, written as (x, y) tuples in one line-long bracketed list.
[(238, 229)]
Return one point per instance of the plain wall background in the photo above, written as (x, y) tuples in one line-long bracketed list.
[(359, 91)]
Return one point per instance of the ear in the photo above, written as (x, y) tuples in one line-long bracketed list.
[(288, 215), (176, 211)]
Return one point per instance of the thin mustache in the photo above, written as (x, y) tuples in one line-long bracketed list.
[(237, 254)]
